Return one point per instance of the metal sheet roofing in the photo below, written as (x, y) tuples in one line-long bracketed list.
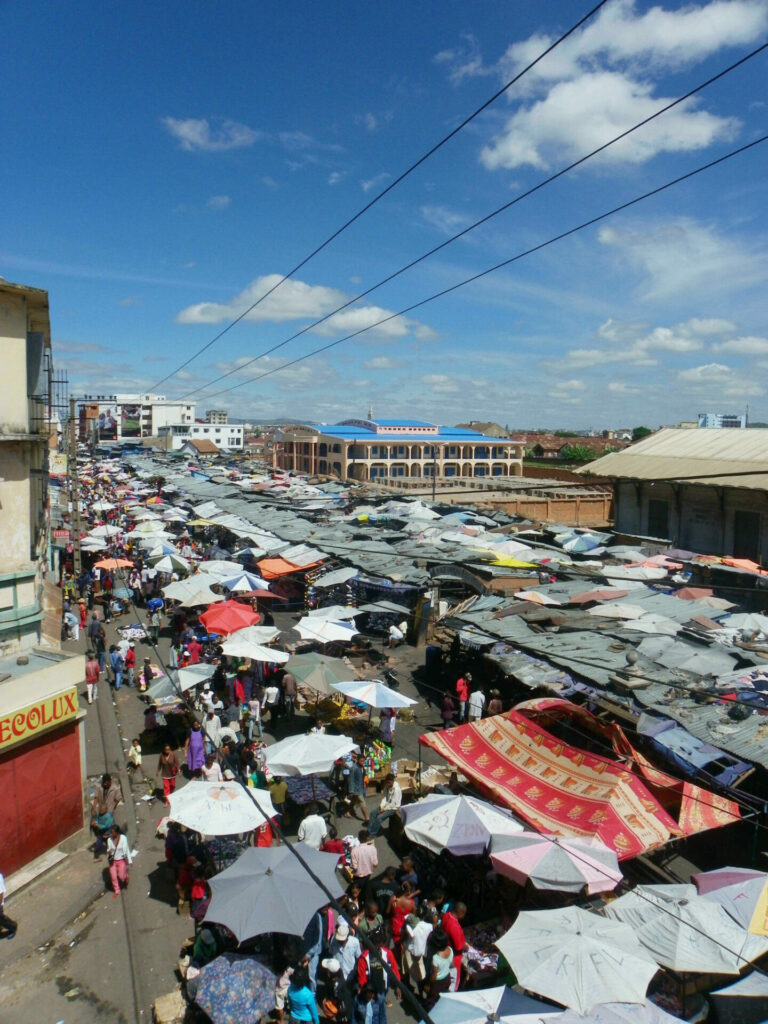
[(723, 458)]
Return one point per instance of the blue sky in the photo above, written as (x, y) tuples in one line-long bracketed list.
[(164, 164)]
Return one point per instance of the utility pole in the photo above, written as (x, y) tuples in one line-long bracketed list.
[(74, 490), (434, 466)]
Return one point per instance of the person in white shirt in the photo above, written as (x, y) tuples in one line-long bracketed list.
[(476, 704), (254, 709), (391, 800), (313, 828), (396, 635), (119, 857), (272, 701), (212, 770), (212, 731)]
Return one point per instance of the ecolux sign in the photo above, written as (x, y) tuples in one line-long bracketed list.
[(27, 722)]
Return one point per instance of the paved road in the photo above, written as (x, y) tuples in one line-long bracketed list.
[(110, 962)]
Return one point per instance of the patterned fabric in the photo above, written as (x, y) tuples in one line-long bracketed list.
[(556, 787)]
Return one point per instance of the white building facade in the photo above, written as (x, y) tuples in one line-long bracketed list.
[(228, 437)]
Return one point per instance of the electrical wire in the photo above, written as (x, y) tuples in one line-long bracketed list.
[(504, 263), (393, 184), (483, 220)]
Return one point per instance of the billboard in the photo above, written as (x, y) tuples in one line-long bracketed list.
[(130, 420), (107, 422), (57, 464)]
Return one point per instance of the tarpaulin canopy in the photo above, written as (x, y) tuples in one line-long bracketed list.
[(555, 787), (695, 809), (272, 568)]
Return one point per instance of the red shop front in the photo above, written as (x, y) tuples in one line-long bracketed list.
[(41, 794)]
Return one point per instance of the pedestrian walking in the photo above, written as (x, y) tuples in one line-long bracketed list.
[(194, 750), (118, 665), (447, 711), (119, 859), (130, 664), (167, 769), (92, 673), (356, 788), (476, 704), (463, 684)]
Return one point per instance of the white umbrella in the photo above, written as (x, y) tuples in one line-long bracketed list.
[(102, 506), (577, 958), (481, 1005), (104, 531), (561, 863), (686, 932), (374, 693), (256, 634), (220, 567), (242, 582), (163, 548), (174, 515), (219, 808), (241, 648), (182, 589), (620, 1013), (193, 675), (461, 824), (148, 526), (307, 755), (172, 563), (203, 596), (325, 632)]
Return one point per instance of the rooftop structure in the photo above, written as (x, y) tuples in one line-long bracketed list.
[(368, 449), (704, 490)]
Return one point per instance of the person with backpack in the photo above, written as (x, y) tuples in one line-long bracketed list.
[(371, 974)]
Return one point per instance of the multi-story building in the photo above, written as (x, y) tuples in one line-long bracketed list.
[(124, 417), (228, 437), (217, 416), (367, 449), (721, 420), (41, 742)]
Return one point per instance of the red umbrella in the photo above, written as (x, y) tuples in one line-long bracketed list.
[(228, 617)]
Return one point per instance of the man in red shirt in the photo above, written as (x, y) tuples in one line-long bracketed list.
[(451, 925), (376, 975), (195, 648), (130, 665), (462, 693)]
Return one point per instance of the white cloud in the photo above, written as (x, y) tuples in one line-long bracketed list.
[(374, 183), (447, 221), (618, 387), (335, 177), (219, 202), (654, 39), (440, 383), (718, 381), (635, 343), (602, 80), (749, 346), (579, 115), (201, 134), (381, 363), (464, 61), (296, 300), (685, 257)]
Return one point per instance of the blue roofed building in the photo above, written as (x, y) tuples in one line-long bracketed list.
[(399, 450)]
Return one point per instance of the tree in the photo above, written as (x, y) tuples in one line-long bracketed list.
[(640, 432), (576, 453)]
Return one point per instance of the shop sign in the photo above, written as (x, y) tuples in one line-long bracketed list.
[(22, 725)]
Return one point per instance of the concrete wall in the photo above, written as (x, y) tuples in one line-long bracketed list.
[(14, 408), (701, 518)]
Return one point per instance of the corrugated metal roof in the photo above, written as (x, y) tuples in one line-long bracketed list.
[(724, 458)]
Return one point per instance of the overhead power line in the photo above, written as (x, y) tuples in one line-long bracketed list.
[(482, 220), (393, 184), (499, 266)]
